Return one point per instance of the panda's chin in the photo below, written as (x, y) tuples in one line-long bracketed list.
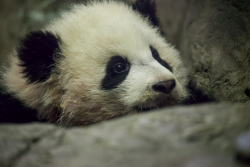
[(144, 109), (161, 103)]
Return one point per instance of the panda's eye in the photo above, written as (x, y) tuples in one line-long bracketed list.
[(119, 68)]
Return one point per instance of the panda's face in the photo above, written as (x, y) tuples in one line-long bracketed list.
[(98, 62), (141, 81)]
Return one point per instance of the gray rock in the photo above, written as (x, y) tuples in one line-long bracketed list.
[(172, 14), (243, 147), (194, 136), (216, 47)]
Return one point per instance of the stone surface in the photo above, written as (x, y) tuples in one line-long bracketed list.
[(194, 136), (216, 47), (172, 15), (243, 147)]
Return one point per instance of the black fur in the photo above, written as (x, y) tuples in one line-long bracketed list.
[(157, 57), (148, 9), (13, 111), (38, 52), (113, 79), (197, 96)]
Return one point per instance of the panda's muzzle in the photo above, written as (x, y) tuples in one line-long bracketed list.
[(164, 86)]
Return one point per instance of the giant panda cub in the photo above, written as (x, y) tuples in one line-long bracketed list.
[(96, 62)]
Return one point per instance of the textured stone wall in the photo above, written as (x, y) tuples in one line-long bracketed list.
[(172, 15), (215, 45)]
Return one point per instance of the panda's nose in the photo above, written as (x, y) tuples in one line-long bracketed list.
[(164, 86)]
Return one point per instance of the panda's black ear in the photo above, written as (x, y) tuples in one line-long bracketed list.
[(148, 9), (38, 53)]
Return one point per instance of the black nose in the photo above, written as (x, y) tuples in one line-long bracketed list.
[(164, 86)]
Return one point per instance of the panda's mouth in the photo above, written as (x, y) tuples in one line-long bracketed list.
[(145, 109)]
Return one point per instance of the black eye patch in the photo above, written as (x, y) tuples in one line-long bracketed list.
[(117, 70), (157, 57)]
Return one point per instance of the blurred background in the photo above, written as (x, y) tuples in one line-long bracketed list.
[(18, 17)]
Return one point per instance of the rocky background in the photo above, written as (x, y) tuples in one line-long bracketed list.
[(214, 39)]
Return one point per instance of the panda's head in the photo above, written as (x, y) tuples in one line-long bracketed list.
[(97, 62)]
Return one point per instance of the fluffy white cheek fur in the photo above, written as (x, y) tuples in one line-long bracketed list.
[(90, 104)]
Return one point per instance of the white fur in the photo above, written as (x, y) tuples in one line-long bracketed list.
[(90, 36)]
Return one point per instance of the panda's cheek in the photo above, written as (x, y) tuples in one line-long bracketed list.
[(132, 90), (180, 92)]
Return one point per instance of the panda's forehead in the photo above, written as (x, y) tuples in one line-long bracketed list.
[(130, 44), (106, 31), (118, 25), (140, 56)]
